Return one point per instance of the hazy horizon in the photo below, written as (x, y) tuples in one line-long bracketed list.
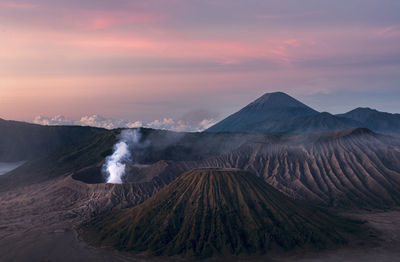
[(196, 120), (194, 60)]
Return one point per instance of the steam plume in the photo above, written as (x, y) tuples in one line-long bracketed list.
[(116, 163)]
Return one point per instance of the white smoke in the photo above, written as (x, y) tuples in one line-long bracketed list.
[(115, 165)]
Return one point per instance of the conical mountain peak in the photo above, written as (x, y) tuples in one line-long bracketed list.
[(207, 212), (278, 99), (261, 114)]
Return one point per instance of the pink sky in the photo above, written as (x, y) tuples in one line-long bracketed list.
[(146, 60)]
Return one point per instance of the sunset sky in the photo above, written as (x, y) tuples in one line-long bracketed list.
[(194, 60)]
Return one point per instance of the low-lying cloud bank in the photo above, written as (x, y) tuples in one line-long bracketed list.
[(111, 123)]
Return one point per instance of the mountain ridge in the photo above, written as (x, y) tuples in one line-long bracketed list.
[(280, 113), (353, 168), (375, 120), (21, 141)]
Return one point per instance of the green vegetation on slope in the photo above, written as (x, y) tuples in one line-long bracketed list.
[(208, 212)]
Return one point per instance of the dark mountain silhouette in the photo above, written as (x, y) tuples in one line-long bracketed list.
[(375, 120), (280, 113), (210, 212), (24, 141), (263, 114), (321, 122)]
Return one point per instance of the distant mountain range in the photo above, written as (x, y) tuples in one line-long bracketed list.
[(280, 113), (381, 122)]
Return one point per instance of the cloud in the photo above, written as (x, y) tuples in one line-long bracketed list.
[(206, 123), (53, 121), (181, 125), (293, 16), (389, 31), (93, 120), (111, 123), (100, 20), (18, 6)]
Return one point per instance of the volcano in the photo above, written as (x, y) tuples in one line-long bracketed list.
[(263, 114), (280, 113), (207, 212)]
